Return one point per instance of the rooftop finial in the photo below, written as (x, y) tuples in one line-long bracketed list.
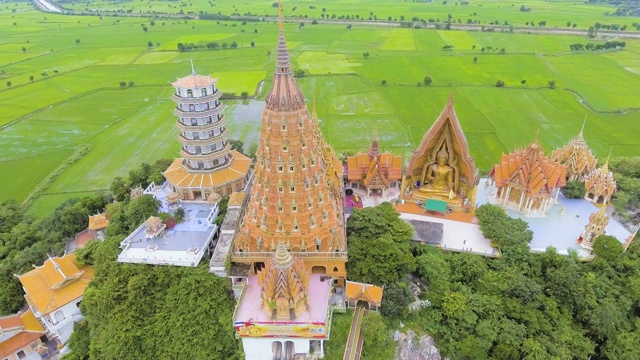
[(280, 16), (606, 163), (450, 101), (584, 123), (193, 69)]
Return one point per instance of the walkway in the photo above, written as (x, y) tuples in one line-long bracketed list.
[(353, 350)]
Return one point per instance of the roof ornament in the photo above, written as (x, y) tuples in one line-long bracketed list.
[(280, 16), (57, 267), (583, 124), (193, 70)]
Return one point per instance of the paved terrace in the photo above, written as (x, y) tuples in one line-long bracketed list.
[(563, 224), (184, 245)]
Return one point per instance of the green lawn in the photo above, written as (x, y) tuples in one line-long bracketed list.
[(77, 63)]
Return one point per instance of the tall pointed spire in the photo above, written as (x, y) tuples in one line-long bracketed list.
[(193, 69), (374, 148), (285, 94), (583, 124)]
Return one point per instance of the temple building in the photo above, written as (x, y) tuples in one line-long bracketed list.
[(577, 157), (296, 193), (284, 309), (598, 221), (207, 163), (22, 337), (600, 185), (441, 168), (374, 170), (54, 291), (527, 181), (360, 294)]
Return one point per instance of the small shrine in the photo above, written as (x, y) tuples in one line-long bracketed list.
[(155, 226), (527, 181), (598, 221), (136, 192), (441, 168), (374, 171), (577, 157), (367, 295), (600, 185)]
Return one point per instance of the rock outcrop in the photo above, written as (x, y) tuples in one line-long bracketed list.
[(413, 347)]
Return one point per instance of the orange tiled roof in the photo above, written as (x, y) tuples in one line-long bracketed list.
[(98, 222), (17, 342), (194, 81), (371, 174), (10, 321), (29, 330), (180, 177), (360, 291), (577, 156), (390, 165), (531, 168), (46, 287), (83, 237)]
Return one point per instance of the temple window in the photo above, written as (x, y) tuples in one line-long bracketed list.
[(279, 225), (324, 215), (310, 202), (284, 127), (292, 188), (296, 225), (294, 206), (312, 219), (280, 206), (280, 188), (190, 93), (320, 198), (313, 161), (264, 221), (204, 92), (255, 216), (335, 269)]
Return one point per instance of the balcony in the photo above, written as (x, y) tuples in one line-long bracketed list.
[(198, 114), (203, 157), (186, 141), (205, 127), (253, 255), (197, 100)]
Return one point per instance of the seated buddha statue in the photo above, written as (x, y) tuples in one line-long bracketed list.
[(437, 179)]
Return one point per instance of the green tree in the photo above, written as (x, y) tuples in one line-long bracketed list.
[(475, 59), (427, 80), (395, 299), (378, 260), (500, 83), (237, 145), (384, 82), (607, 247), (365, 54), (574, 190), (378, 345), (551, 84)]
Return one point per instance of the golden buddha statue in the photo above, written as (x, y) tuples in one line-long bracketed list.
[(437, 178)]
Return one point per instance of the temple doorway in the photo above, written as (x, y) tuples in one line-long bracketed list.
[(276, 350), (257, 266), (289, 350), (319, 270), (197, 195), (362, 304)]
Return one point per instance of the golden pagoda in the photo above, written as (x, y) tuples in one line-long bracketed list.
[(527, 180), (577, 157), (284, 283), (598, 221), (600, 184), (296, 192), (374, 170), (441, 167)]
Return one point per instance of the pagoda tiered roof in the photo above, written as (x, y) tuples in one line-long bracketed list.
[(372, 162), (532, 169), (285, 284), (577, 157), (297, 185), (194, 80), (601, 182)]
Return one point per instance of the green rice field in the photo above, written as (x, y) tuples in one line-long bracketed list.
[(554, 12), (60, 86)]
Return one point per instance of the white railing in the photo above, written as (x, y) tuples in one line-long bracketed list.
[(301, 254)]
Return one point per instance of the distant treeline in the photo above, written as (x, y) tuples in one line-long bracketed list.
[(184, 47), (605, 46)]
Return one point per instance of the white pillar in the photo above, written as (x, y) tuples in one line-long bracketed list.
[(521, 201), (506, 198), (557, 193), (321, 348)]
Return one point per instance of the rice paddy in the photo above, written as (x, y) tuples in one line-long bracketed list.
[(61, 76)]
